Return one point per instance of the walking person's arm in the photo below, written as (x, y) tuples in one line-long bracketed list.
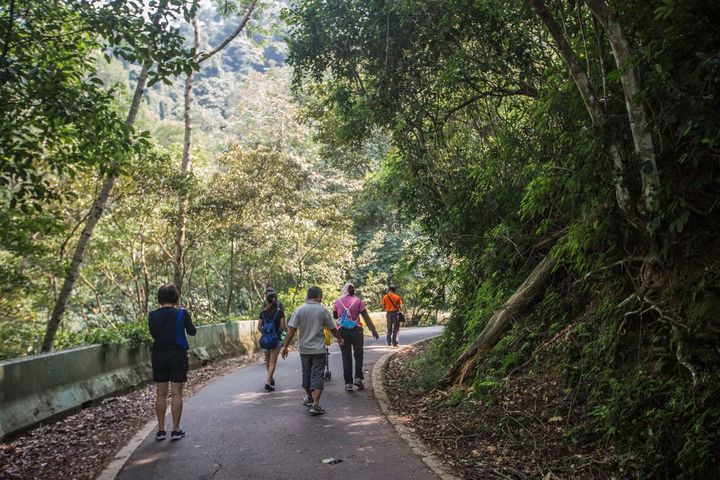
[(333, 329), (288, 339), (154, 327), (335, 333), (370, 324), (189, 327)]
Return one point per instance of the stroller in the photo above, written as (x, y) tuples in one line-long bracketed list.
[(328, 340)]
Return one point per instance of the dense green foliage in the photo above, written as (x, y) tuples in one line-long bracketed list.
[(444, 146), (268, 204), (494, 155)]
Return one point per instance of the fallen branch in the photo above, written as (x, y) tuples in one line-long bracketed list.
[(524, 297)]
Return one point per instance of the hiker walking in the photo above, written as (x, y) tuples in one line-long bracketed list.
[(392, 303), (270, 325), (347, 310), (168, 325), (268, 290), (310, 319)]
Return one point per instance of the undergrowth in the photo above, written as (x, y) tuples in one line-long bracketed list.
[(620, 369)]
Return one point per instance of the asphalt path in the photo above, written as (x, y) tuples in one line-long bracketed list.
[(236, 430)]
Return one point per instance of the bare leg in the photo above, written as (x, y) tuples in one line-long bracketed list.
[(177, 404), (161, 404), (271, 357), (267, 365), (309, 393), (316, 396)]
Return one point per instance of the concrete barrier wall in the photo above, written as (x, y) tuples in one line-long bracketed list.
[(38, 387)]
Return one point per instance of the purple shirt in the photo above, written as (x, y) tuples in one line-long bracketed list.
[(354, 306)]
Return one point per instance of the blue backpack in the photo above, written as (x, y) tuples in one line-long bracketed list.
[(345, 320), (269, 337)]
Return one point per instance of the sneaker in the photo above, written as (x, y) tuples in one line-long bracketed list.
[(307, 401), (348, 387), (316, 410), (177, 434), (359, 383), (161, 435), (269, 388)]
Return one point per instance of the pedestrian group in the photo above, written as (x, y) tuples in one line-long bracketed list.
[(311, 322)]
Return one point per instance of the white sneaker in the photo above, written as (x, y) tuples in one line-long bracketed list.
[(307, 401), (316, 410), (359, 383), (348, 387)]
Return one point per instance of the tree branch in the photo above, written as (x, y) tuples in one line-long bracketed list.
[(232, 36)]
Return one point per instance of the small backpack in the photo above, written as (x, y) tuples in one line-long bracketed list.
[(345, 320), (269, 337)]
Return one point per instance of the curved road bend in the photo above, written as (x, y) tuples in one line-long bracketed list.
[(235, 430)]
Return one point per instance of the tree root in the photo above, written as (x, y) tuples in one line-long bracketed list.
[(680, 355), (643, 299)]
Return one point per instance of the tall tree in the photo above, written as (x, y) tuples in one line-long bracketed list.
[(643, 142), (155, 44), (186, 163)]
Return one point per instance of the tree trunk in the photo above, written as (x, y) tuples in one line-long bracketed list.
[(524, 297), (135, 271), (230, 278), (180, 235), (145, 273), (630, 80), (179, 253), (91, 222), (597, 114)]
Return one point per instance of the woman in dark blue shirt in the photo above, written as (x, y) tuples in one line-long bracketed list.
[(274, 317), (168, 325)]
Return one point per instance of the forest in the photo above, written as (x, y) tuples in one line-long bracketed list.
[(545, 171), (114, 181)]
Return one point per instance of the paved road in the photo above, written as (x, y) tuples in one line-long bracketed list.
[(235, 430)]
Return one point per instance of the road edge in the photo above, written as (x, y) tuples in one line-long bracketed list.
[(414, 441), (112, 469)]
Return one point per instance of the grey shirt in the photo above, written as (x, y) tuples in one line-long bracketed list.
[(310, 319)]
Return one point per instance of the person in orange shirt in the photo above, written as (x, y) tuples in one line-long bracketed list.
[(392, 303)]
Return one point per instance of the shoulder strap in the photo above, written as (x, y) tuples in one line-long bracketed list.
[(391, 301), (349, 315), (264, 318), (347, 308)]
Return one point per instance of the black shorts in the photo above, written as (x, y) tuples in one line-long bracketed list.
[(169, 366)]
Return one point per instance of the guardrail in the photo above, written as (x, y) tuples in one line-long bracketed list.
[(39, 387)]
